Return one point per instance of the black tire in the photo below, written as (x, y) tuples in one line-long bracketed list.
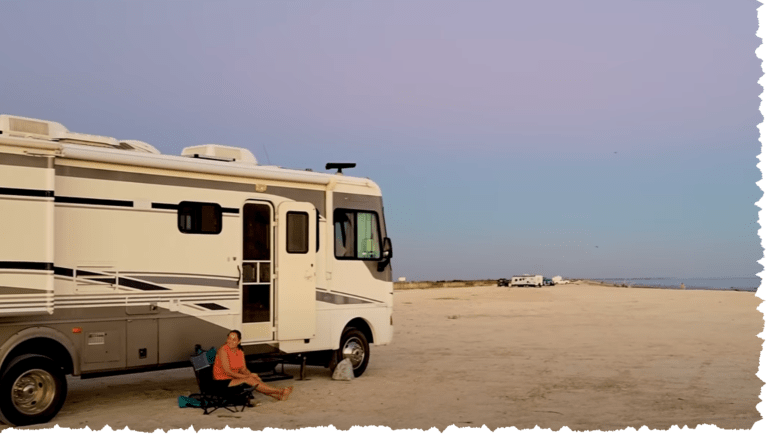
[(354, 345), (32, 390)]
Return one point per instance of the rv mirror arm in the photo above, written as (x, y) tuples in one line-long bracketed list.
[(387, 251), (386, 255)]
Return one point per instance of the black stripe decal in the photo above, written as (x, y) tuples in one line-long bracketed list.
[(165, 206), (26, 192), (148, 283), (94, 201), (6, 290), (367, 300), (105, 278), (59, 271), (127, 283), (337, 299), (212, 306), (195, 281), (38, 266), (135, 284)]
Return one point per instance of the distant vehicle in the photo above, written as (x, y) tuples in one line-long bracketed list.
[(502, 282), (548, 282), (527, 280)]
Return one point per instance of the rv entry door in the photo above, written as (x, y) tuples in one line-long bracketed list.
[(296, 235), (257, 310)]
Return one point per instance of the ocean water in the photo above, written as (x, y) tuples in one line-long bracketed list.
[(749, 284)]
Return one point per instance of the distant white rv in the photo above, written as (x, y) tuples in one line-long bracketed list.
[(527, 280), (115, 258)]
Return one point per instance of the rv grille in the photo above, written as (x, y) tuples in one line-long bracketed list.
[(124, 146), (28, 126)]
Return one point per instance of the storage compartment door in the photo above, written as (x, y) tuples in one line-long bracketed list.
[(296, 251), (141, 342), (26, 234)]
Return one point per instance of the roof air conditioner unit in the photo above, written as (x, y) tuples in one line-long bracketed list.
[(29, 127)]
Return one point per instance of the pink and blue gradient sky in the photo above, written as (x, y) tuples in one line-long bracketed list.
[(589, 139)]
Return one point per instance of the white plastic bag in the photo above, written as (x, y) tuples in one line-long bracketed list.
[(343, 371)]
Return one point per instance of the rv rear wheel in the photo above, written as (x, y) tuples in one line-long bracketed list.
[(354, 346), (32, 390)]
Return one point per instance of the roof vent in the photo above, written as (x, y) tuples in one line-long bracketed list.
[(132, 144), (29, 127), (220, 152)]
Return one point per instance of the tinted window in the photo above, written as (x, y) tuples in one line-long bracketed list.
[(298, 232), (202, 218), (256, 229)]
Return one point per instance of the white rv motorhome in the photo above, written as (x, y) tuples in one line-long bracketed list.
[(527, 280), (115, 258)]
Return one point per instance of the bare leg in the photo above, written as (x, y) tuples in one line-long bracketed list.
[(239, 381), (283, 394), (260, 386)]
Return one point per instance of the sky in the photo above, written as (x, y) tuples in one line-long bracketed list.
[(598, 138)]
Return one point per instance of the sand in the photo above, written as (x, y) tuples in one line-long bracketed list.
[(583, 356)]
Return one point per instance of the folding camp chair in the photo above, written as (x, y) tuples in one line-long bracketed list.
[(211, 395)]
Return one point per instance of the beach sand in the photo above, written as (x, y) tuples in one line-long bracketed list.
[(579, 355)]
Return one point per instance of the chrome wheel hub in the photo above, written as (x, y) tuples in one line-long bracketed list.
[(33, 391), (354, 351)]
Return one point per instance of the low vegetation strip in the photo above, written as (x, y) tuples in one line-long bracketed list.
[(443, 284)]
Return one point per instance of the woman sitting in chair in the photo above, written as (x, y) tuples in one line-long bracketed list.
[(230, 365)]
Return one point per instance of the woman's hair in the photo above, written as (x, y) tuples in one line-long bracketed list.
[(239, 337)]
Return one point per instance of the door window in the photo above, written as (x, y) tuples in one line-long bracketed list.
[(297, 240)]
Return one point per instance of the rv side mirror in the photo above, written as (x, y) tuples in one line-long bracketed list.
[(386, 255)]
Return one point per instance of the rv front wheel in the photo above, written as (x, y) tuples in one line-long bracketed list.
[(32, 390), (354, 346)]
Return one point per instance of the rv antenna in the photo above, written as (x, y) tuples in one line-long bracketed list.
[(339, 166), (265, 152)]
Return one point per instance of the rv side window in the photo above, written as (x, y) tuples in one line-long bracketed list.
[(357, 235), (202, 218), (298, 232)]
